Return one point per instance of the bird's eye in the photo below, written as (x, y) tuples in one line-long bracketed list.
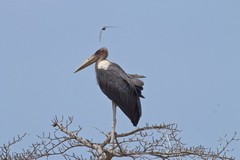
[(98, 52)]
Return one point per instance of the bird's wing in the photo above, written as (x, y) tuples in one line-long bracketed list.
[(100, 35), (120, 89), (135, 76), (135, 80), (103, 29)]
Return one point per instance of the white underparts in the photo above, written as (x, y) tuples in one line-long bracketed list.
[(104, 64)]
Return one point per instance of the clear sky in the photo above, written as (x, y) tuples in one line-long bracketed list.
[(188, 50)]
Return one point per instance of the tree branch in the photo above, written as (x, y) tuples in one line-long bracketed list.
[(148, 142)]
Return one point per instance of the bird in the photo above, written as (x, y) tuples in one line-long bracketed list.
[(103, 29), (124, 90)]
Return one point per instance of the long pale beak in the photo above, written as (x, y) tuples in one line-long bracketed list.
[(88, 62)]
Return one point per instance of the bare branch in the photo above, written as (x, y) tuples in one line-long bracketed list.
[(148, 142)]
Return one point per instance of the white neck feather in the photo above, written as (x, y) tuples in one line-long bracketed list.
[(104, 64)]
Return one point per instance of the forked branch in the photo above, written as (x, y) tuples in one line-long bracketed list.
[(148, 142)]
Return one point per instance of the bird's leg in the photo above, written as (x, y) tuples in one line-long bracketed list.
[(114, 108)]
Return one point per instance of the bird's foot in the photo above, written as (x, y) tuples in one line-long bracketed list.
[(112, 140)]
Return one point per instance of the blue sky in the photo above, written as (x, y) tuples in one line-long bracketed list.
[(188, 50)]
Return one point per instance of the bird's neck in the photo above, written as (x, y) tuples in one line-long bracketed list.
[(103, 64)]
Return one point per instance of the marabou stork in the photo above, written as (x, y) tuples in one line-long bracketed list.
[(123, 89)]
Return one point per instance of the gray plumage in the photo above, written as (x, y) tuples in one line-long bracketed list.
[(124, 89)]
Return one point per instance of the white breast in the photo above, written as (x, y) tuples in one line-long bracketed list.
[(104, 64)]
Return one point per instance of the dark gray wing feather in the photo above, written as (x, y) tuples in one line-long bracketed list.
[(122, 89)]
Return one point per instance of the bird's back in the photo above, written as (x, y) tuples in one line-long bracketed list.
[(122, 89)]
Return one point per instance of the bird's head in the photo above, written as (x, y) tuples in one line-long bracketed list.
[(99, 55)]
